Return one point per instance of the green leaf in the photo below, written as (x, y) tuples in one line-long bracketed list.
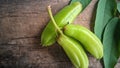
[(110, 43), (117, 35), (118, 6), (83, 2), (105, 11)]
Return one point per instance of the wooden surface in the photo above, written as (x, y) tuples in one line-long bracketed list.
[(21, 24)]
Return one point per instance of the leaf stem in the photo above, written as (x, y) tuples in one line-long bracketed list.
[(53, 20)]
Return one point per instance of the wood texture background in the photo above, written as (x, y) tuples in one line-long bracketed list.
[(21, 24)]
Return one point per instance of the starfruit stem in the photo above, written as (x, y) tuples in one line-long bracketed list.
[(53, 20)]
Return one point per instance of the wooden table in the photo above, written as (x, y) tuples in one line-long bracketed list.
[(21, 24)]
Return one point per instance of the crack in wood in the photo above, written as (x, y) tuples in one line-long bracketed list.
[(21, 41), (25, 14), (25, 37)]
